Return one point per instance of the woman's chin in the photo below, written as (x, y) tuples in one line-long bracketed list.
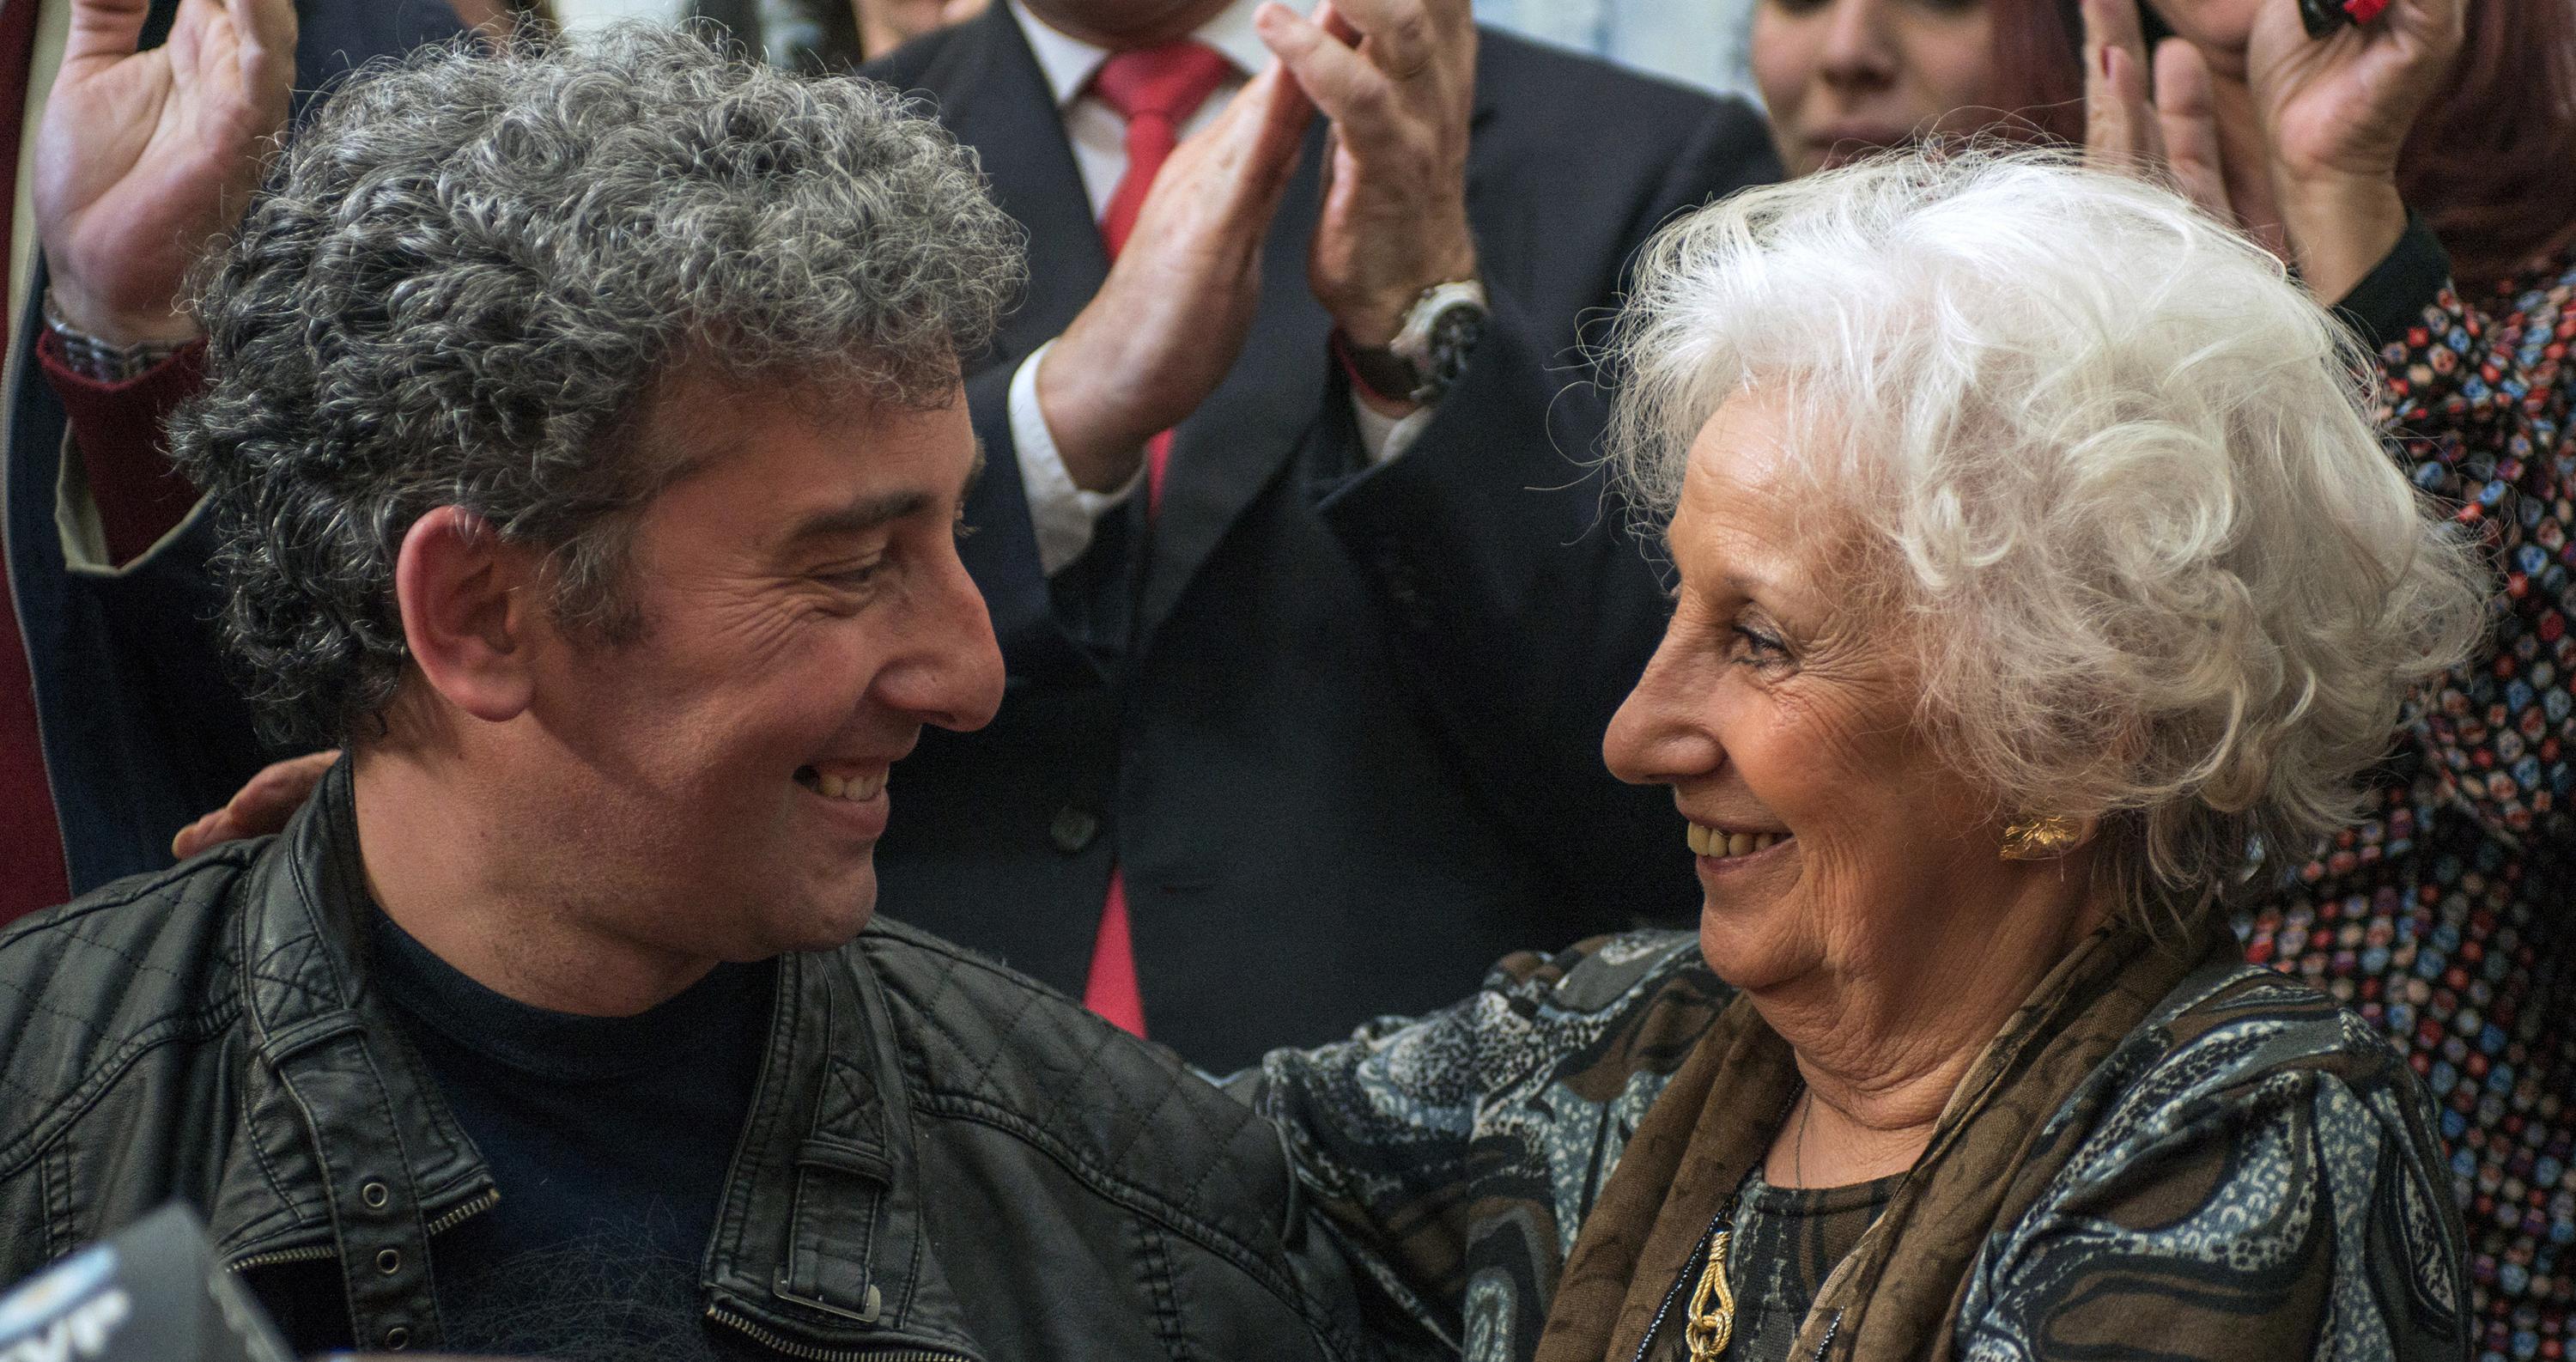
[(1750, 949)]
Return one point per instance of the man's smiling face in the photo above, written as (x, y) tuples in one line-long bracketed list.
[(804, 612)]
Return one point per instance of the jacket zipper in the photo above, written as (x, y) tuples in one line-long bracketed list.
[(455, 1216), (460, 1214), (812, 1354), (310, 1253)]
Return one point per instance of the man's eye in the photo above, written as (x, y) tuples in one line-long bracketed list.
[(960, 528), (851, 577)]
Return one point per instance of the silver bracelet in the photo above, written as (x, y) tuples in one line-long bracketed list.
[(104, 361)]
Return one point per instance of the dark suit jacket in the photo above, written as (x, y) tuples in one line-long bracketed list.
[(1341, 726), (143, 728)]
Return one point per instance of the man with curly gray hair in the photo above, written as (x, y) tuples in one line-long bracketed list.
[(586, 431)]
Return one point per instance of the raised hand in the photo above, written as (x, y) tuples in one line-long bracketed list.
[(1398, 79), (1173, 314), (2336, 112), (2167, 126), (144, 158)]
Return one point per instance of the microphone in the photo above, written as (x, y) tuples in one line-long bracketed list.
[(153, 1290)]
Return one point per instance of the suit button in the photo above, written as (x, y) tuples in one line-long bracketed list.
[(1073, 829), (1402, 585)]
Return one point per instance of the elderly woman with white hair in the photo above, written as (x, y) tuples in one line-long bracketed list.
[(2041, 587)]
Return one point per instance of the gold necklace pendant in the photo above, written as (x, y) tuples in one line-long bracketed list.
[(1711, 1326)]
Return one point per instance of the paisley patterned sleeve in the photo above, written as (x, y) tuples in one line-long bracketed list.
[(2267, 1188), (2475, 392), (1452, 1154)]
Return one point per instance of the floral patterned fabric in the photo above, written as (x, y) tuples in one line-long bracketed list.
[(2240, 1169), (2444, 917)]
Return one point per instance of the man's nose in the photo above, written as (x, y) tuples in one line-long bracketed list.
[(951, 676)]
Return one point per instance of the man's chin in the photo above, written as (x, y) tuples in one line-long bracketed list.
[(833, 917)]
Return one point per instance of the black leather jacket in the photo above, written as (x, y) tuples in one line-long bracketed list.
[(942, 1159)]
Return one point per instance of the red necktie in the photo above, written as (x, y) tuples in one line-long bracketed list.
[(1155, 89)]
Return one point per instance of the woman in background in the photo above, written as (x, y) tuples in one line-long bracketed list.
[(1844, 78), (2422, 170)]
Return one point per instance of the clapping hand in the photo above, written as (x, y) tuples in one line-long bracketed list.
[(2336, 113), (144, 158), (2168, 125), (1398, 80), (1178, 304), (2332, 115)]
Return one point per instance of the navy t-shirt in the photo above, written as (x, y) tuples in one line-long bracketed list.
[(609, 1138)]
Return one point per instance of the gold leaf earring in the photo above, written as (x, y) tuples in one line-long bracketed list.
[(2042, 838)]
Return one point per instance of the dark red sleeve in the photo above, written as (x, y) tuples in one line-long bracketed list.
[(118, 427)]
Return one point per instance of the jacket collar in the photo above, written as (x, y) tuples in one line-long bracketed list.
[(821, 1241), (819, 1247), (307, 1004)]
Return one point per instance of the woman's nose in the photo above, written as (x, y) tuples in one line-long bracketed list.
[(1660, 735)]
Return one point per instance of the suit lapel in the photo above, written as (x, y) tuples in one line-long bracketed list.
[(1242, 436), (994, 98), (1237, 442)]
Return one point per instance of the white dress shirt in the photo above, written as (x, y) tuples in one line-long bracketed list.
[(1063, 514)]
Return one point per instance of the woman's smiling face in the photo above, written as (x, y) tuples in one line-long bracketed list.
[(1783, 710)]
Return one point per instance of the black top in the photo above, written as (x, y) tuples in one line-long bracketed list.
[(609, 1139), (1786, 1241)]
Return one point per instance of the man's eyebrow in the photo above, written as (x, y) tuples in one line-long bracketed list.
[(859, 517)]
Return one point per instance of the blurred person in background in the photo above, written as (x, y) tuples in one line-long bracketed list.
[(1698, 42), (136, 132), (2417, 171), (1845, 78), (885, 25), (815, 36), (1312, 616)]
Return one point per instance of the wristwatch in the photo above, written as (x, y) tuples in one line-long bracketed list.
[(99, 360), (1429, 354)]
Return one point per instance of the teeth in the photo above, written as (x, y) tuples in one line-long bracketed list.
[(1712, 842), (843, 786), (858, 788)]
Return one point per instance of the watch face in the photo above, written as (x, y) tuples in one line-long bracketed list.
[(1454, 334)]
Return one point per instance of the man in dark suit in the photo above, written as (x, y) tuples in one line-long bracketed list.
[(1305, 699)]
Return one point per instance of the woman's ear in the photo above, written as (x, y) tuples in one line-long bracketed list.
[(468, 605)]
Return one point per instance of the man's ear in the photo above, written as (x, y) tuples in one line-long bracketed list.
[(469, 604)]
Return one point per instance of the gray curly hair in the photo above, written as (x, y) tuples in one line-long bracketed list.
[(2152, 560), (468, 274)]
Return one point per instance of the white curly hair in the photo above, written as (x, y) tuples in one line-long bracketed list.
[(2153, 561)]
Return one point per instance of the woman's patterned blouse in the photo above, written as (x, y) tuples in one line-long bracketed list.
[(2253, 1170), (2444, 918)]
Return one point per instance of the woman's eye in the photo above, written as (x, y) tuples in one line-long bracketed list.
[(1757, 646)]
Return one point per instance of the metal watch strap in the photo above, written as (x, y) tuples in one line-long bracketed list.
[(1425, 357), (104, 361)]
